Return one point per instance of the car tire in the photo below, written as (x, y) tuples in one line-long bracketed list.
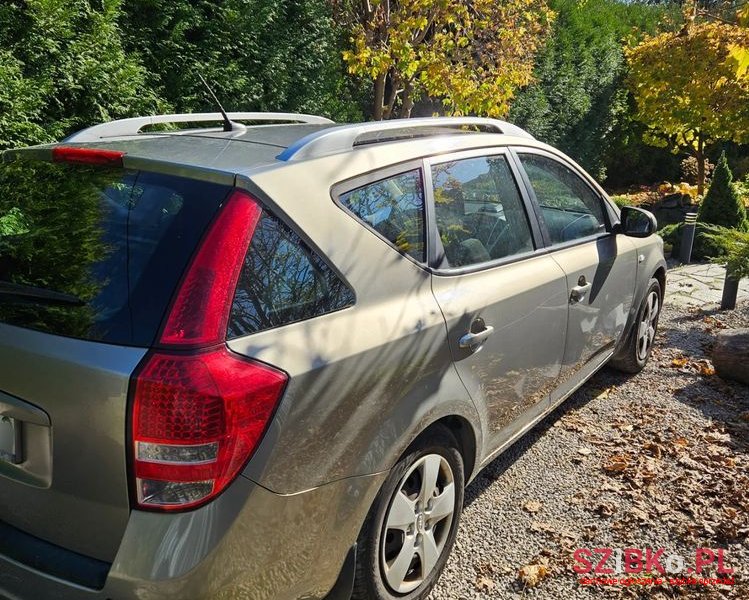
[(636, 352), (411, 527)]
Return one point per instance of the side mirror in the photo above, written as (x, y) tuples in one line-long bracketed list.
[(636, 222)]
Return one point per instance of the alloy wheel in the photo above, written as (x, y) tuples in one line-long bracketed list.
[(648, 323), (417, 523)]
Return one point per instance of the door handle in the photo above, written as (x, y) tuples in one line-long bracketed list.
[(471, 340), (579, 292)]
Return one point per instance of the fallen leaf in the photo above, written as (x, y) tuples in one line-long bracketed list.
[(616, 463), (653, 448), (679, 362), (638, 514), (532, 506), (608, 486), (484, 584), (539, 527), (604, 394), (584, 451), (531, 575), (704, 368), (605, 510)]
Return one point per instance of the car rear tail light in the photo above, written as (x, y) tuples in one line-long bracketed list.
[(87, 156), (200, 312), (199, 410), (197, 418)]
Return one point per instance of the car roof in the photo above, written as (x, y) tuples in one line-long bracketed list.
[(247, 149), (216, 149)]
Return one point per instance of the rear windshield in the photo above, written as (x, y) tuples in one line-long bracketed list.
[(96, 253)]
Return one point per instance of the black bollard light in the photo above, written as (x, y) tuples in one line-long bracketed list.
[(687, 238), (730, 293)]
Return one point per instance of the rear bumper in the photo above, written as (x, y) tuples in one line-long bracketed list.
[(248, 543)]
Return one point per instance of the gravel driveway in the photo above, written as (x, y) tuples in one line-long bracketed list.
[(656, 460)]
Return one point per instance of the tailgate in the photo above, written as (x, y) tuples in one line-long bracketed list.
[(68, 399), (90, 256)]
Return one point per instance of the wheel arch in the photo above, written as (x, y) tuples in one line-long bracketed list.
[(660, 275), (465, 436)]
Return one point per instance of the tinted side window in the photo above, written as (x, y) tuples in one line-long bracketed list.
[(480, 214), (569, 207), (282, 281), (394, 208)]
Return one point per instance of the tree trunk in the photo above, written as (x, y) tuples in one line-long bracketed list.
[(379, 97), (731, 354), (700, 156), (408, 101), (392, 97)]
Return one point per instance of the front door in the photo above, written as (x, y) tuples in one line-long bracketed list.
[(600, 266), (504, 302)]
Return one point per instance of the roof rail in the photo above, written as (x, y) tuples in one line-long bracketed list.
[(126, 127), (345, 137)]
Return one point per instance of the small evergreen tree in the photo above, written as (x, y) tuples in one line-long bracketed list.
[(722, 204)]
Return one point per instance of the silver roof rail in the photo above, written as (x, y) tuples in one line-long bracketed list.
[(344, 137), (126, 127)]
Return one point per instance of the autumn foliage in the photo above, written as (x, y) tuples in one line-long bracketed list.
[(688, 90), (471, 55)]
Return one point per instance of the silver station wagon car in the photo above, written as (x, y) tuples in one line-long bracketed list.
[(264, 360)]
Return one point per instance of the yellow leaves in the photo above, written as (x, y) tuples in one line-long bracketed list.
[(678, 81), (701, 367), (740, 56), (473, 56), (679, 362)]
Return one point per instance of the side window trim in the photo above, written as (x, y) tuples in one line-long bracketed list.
[(437, 260), (515, 151), (348, 185)]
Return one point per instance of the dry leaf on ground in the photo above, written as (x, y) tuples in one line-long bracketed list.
[(531, 575), (616, 463), (484, 584)]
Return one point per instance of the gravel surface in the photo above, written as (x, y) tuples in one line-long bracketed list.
[(656, 460)]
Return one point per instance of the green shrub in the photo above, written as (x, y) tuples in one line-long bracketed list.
[(621, 200), (705, 246), (742, 189), (722, 204), (736, 251)]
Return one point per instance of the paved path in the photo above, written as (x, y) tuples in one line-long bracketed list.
[(698, 284)]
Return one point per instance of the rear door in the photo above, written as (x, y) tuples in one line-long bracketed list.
[(600, 267), (503, 299), (89, 259)]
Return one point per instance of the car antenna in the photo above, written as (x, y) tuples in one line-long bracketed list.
[(229, 125)]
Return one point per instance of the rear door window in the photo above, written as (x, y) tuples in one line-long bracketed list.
[(479, 211), (394, 208), (112, 243), (283, 281)]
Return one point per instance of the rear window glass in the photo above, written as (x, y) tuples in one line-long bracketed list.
[(283, 281), (116, 240)]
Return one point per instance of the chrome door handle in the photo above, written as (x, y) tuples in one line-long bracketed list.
[(471, 340), (578, 292)]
